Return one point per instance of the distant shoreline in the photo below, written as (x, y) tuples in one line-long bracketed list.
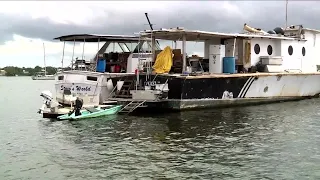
[(13, 71), (15, 76)]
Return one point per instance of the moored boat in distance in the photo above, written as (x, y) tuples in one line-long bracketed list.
[(43, 76), (237, 69)]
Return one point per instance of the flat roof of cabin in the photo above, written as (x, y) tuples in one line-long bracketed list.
[(312, 30), (196, 35), (97, 38)]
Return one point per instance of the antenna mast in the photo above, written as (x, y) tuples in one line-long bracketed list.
[(149, 21), (286, 14), (44, 60), (151, 25)]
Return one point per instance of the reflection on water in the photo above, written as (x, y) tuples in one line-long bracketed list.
[(276, 141), (253, 142)]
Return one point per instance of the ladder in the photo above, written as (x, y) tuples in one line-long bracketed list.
[(131, 106), (125, 89)]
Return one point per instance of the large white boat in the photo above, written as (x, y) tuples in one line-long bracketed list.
[(91, 80), (251, 67)]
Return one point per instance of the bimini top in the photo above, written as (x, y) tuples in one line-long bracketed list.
[(175, 34), (97, 38)]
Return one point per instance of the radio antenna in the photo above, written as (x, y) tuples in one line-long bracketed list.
[(151, 25), (286, 14)]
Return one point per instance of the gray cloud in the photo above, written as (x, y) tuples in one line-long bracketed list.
[(204, 16), (207, 16)]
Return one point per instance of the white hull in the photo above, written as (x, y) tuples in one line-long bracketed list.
[(221, 90), (295, 85), (93, 91)]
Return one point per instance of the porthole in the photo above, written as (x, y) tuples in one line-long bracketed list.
[(303, 51), (257, 48), (290, 50), (269, 50)]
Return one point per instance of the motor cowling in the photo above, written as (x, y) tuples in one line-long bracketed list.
[(48, 101), (46, 95)]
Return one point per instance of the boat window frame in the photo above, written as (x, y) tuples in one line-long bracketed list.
[(290, 50), (257, 49), (60, 79), (303, 51), (270, 50), (91, 78)]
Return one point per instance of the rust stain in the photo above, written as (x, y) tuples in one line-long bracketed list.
[(289, 90)]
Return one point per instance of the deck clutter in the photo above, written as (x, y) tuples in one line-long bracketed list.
[(236, 69)]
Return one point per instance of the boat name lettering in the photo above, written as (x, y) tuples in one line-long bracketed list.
[(76, 88), (79, 88)]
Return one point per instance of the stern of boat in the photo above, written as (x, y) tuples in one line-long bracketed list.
[(93, 87)]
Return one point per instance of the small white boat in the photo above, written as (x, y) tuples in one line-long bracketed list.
[(43, 76)]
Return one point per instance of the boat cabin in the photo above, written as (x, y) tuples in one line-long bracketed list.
[(293, 49), (115, 53), (116, 56)]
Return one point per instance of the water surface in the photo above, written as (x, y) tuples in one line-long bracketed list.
[(275, 141)]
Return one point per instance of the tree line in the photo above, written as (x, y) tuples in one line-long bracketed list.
[(13, 70)]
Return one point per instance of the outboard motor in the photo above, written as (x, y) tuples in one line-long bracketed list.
[(47, 101), (46, 95)]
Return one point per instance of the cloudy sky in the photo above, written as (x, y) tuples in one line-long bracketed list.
[(27, 25)]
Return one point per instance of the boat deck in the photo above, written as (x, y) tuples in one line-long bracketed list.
[(259, 74), (114, 100)]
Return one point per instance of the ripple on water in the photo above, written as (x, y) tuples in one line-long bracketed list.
[(276, 141)]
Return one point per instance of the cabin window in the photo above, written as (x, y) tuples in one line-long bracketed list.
[(290, 50), (303, 51), (256, 48), (269, 50), (92, 78), (60, 78)]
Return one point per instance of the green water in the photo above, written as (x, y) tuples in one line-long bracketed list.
[(276, 141)]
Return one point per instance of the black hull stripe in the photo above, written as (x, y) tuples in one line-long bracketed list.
[(244, 87), (248, 87)]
